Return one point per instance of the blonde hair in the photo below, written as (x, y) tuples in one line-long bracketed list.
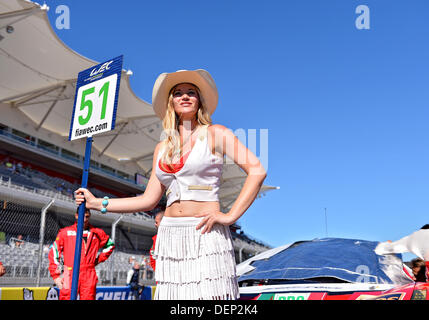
[(170, 123)]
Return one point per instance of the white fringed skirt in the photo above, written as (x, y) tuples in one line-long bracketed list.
[(194, 266)]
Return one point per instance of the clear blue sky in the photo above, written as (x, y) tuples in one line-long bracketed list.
[(346, 109)]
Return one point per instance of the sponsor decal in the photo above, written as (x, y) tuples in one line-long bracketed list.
[(391, 296), (36, 293), (105, 66), (419, 295), (291, 296)]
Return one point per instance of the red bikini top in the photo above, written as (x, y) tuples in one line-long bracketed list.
[(174, 167)]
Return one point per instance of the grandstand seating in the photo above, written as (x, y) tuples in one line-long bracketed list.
[(35, 179), (18, 178)]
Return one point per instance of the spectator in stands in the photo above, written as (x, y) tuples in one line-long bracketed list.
[(59, 187), (131, 260), (143, 262), (19, 242), (93, 240), (2, 269), (419, 270), (46, 251), (10, 166), (19, 167), (144, 266), (187, 167), (133, 278), (69, 192)]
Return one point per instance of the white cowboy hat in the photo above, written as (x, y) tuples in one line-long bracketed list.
[(166, 81)]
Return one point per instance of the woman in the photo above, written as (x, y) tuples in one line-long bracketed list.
[(194, 252)]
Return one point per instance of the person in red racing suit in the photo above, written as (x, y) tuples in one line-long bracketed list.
[(158, 218), (152, 250), (93, 239)]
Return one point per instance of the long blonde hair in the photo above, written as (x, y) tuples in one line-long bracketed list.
[(170, 123)]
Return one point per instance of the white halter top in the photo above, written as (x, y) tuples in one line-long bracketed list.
[(198, 179)]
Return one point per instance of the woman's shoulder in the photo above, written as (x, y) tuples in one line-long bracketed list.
[(219, 131), (219, 136), (216, 128), (158, 149)]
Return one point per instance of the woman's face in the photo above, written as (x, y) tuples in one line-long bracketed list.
[(186, 100)]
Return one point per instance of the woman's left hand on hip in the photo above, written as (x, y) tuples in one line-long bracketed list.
[(211, 218)]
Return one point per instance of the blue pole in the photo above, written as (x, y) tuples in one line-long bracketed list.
[(81, 217)]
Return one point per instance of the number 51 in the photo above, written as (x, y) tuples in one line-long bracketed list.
[(87, 103)]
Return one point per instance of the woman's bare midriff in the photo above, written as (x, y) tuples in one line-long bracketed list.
[(190, 208)]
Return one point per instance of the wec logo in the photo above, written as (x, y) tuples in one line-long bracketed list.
[(104, 67)]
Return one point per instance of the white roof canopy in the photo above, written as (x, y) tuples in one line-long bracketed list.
[(38, 77)]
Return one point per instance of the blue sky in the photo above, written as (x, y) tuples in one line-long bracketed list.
[(346, 109)]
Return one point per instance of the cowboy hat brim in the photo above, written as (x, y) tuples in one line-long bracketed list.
[(166, 81)]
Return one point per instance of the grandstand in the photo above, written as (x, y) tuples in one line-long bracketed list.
[(40, 168)]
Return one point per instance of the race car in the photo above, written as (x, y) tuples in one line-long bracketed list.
[(328, 269)]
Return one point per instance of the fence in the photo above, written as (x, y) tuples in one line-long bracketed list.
[(28, 226)]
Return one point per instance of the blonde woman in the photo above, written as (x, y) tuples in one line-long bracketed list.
[(194, 251)]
